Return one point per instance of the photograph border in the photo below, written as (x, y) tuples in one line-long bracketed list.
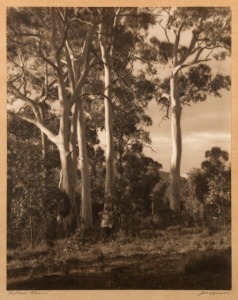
[(122, 294)]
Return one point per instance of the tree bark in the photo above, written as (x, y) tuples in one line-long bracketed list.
[(67, 169), (74, 155), (43, 136), (86, 202), (176, 145), (66, 185), (110, 176), (107, 219)]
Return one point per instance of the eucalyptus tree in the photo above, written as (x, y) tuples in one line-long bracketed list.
[(58, 41), (119, 34), (193, 37), (109, 21)]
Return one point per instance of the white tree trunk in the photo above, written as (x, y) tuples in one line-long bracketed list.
[(67, 170), (176, 145), (86, 202), (107, 218), (66, 185), (109, 153), (73, 153)]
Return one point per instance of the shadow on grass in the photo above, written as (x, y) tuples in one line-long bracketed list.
[(193, 271)]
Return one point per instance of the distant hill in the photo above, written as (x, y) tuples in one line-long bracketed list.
[(165, 176)]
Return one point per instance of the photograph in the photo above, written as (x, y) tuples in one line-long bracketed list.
[(119, 145)]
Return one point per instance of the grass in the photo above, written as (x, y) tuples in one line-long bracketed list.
[(172, 240), (188, 250), (213, 261)]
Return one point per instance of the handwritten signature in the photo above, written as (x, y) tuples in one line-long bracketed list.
[(28, 292), (213, 293)]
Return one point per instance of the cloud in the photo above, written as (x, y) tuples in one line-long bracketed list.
[(196, 143), (199, 138)]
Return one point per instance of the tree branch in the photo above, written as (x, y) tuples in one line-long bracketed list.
[(32, 103), (45, 58), (166, 116), (51, 136), (60, 77), (115, 22), (189, 50), (196, 60), (64, 32), (85, 62), (177, 40)]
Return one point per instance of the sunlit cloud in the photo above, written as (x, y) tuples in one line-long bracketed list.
[(205, 138)]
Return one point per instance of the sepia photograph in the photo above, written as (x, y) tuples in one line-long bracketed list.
[(119, 128)]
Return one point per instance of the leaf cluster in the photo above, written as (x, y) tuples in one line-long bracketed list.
[(212, 183)]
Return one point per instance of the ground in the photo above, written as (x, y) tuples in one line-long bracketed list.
[(176, 258)]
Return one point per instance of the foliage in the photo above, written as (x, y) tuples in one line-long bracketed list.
[(159, 196), (137, 178), (28, 191), (211, 185), (32, 216)]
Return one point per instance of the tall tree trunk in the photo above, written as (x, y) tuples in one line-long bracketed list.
[(43, 136), (107, 219), (66, 185), (86, 202), (43, 106), (176, 144), (110, 176), (74, 156), (67, 169)]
